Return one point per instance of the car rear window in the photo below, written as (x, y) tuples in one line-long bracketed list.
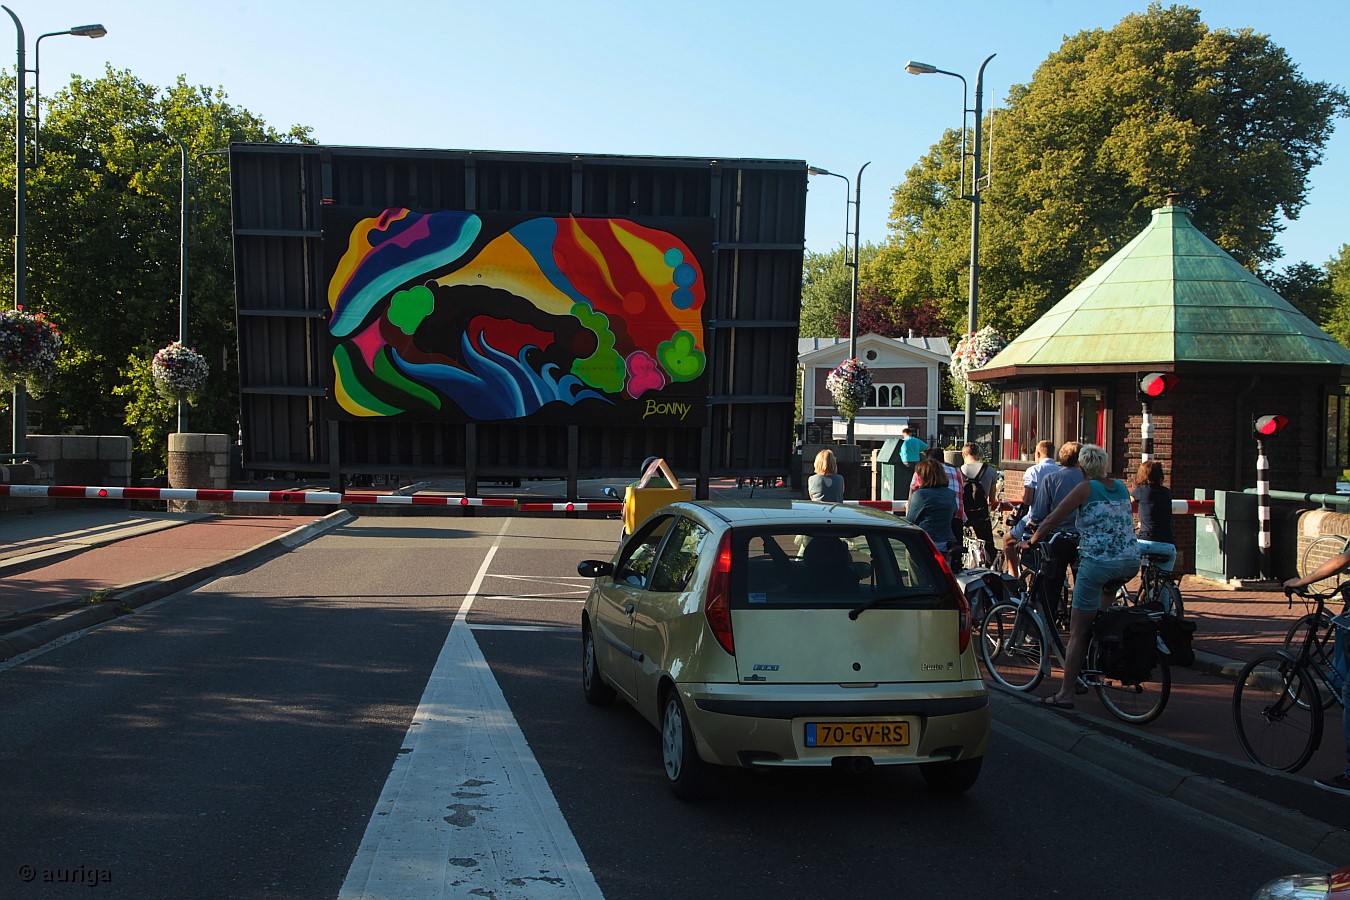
[(806, 567)]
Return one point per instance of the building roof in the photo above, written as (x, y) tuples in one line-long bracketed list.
[(1169, 296), (926, 349)]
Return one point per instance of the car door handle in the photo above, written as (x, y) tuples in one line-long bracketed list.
[(628, 608)]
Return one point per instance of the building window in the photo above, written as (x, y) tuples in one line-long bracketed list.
[(1066, 414), (1080, 415), (1338, 430), (1023, 413), (886, 396)]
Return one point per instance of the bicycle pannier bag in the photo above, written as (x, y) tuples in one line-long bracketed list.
[(1127, 644), (1174, 640)]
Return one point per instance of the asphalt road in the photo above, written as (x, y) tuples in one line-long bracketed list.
[(238, 741)]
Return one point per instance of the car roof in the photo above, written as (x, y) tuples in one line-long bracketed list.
[(739, 513)]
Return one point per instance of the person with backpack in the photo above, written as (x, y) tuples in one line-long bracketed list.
[(1108, 554), (977, 495)]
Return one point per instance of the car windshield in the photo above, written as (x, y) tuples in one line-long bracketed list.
[(806, 567)]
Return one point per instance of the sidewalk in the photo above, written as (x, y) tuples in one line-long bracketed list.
[(51, 562)]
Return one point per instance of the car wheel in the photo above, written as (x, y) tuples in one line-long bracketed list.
[(952, 777), (592, 685), (689, 776)]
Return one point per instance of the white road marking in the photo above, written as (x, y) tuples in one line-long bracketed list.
[(562, 629), (466, 811), (534, 598)]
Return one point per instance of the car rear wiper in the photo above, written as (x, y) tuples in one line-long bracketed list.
[(880, 598)]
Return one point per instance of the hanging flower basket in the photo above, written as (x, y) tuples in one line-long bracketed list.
[(848, 385), (179, 372), (972, 352), (29, 344)]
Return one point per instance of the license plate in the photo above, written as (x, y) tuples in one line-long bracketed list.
[(857, 734)]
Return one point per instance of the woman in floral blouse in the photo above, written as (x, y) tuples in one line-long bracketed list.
[(1108, 555)]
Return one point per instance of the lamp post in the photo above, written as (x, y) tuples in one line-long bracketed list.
[(853, 290), (182, 263), (976, 187), (19, 409)]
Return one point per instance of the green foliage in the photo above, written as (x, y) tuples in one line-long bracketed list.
[(103, 230), (827, 287), (1306, 287), (1110, 124), (1338, 279)]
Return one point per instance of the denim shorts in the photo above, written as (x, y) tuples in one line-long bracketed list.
[(1093, 574)]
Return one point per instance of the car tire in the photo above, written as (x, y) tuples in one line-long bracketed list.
[(952, 777), (690, 778), (592, 685)]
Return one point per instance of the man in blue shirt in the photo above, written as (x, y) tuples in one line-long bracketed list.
[(911, 451)]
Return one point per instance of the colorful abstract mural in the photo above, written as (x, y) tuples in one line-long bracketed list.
[(458, 316)]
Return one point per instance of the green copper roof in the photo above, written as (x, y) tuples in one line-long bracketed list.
[(1171, 295)]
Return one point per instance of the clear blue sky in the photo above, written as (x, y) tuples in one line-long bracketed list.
[(777, 79)]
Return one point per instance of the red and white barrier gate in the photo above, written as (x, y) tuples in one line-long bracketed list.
[(1179, 507)]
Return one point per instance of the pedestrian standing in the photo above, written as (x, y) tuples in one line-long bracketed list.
[(827, 484), (977, 495), (932, 505), (911, 451), (1108, 555), (1155, 513)]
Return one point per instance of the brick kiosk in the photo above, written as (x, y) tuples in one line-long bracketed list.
[(1172, 301)]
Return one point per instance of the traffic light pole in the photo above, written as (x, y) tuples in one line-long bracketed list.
[(1262, 510), (1146, 432)]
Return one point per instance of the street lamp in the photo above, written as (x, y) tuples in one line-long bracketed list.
[(976, 187), (853, 292), (182, 263), (19, 409)]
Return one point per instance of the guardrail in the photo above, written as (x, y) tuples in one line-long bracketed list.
[(77, 492)]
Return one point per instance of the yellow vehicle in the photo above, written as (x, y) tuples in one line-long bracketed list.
[(787, 633)]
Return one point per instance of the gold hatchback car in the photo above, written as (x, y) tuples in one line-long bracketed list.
[(787, 633)]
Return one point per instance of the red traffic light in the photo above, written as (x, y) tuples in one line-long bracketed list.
[(1265, 426), (1153, 385)]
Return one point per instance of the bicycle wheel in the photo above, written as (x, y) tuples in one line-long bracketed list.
[(1318, 552), (1319, 654), (1171, 600), (1012, 647), (1135, 703), (1277, 713)]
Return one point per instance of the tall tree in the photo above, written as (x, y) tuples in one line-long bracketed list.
[(1110, 124), (1338, 282), (1306, 287), (103, 250), (827, 287)]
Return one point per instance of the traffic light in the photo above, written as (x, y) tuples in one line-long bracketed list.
[(1153, 385), (1266, 426)]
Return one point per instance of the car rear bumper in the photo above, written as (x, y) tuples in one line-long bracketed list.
[(736, 726)]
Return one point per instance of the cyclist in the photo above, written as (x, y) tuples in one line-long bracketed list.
[(1337, 784), (1108, 554), (1155, 513)]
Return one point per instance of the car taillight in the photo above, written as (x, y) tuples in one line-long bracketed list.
[(962, 604), (718, 605)]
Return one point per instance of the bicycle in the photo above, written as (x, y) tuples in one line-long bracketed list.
[(1319, 551), (1320, 655), (1158, 588), (1013, 641), (1277, 707)]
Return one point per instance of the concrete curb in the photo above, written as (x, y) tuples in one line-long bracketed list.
[(1295, 830), (140, 593)]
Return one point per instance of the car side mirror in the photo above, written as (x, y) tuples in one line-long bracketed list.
[(612, 493), (594, 568)]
